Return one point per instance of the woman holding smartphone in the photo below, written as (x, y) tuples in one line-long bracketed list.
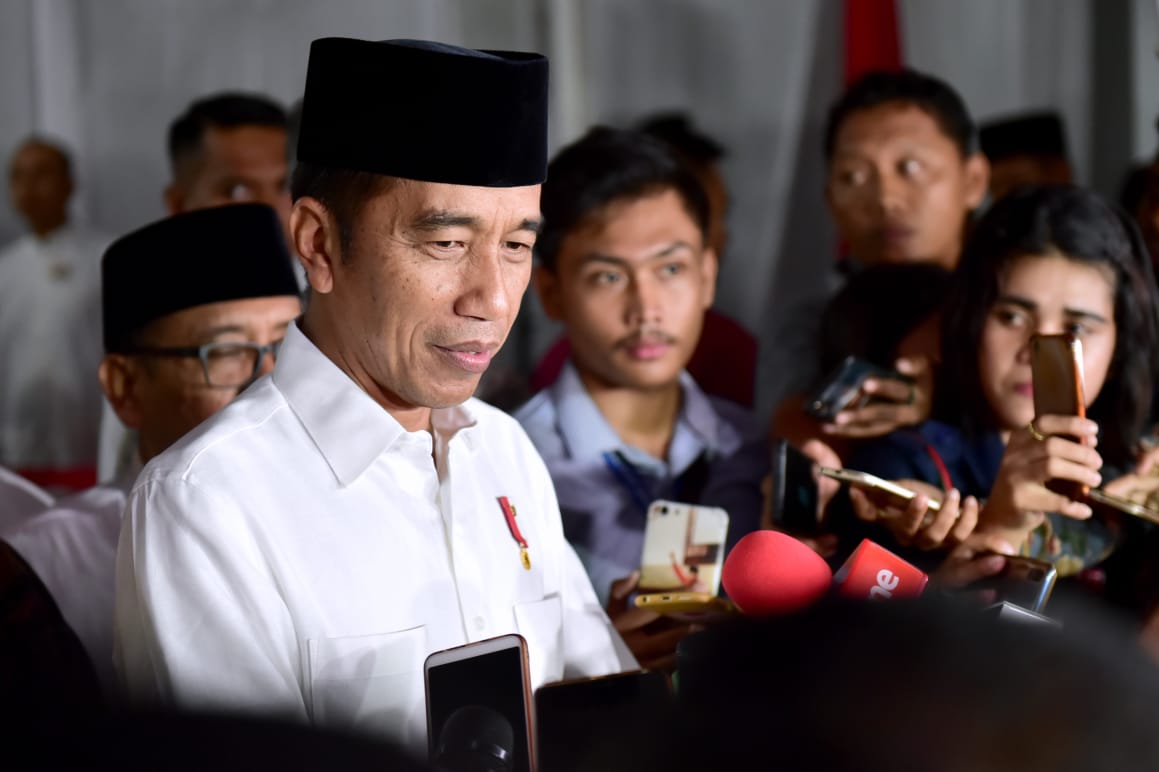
[(1055, 260)]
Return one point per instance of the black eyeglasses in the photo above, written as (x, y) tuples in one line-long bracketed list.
[(226, 365)]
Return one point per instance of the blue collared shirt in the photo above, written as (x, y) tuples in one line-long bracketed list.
[(601, 516)]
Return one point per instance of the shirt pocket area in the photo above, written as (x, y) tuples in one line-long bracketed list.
[(541, 623), (371, 684)]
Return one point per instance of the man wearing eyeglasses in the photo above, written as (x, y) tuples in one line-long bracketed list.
[(194, 308)]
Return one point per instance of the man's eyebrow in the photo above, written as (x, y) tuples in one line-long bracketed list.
[(533, 224), (218, 331), (440, 218)]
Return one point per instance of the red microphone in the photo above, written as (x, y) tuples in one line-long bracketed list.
[(873, 572), (769, 572)]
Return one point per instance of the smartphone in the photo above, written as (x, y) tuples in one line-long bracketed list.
[(868, 482), (1025, 582), (683, 544), (590, 723), (842, 389), (1126, 506), (794, 494), (479, 706), (1056, 363), (687, 606)]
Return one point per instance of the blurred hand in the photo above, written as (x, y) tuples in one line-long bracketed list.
[(1141, 485), (896, 403), (651, 637), (914, 523), (972, 560), (827, 487), (1019, 497)]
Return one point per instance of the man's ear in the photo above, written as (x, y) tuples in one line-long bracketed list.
[(977, 180), (316, 240), (709, 268), (549, 291), (121, 382)]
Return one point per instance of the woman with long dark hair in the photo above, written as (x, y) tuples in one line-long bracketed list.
[(1042, 261)]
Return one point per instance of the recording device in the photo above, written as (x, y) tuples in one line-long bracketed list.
[(1008, 612), (1024, 582), (769, 572), (1056, 363), (874, 573), (586, 723), (1126, 506), (683, 545), (696, 607), (842, 389), (478, 707), (895, 494), (794, 493)]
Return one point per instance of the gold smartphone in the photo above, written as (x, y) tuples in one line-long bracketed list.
[(868, 482), (672, 603), (1126, 506), (1056, 364)]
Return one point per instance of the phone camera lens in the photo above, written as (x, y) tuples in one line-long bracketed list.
[(663, 510)]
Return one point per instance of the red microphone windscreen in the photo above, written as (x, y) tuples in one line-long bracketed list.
[(873, 572), (769, 572)]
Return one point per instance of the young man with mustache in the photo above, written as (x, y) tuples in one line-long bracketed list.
[(625, 264)]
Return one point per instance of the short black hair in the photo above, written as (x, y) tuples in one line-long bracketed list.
[(1081, 226), (342, 191), (677, 131), (931, 95), (220, 111), (608, 165)]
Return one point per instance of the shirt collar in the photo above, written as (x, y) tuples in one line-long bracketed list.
[(587, 434), (348, 427)]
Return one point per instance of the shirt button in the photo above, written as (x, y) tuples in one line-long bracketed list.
[(480, 623)]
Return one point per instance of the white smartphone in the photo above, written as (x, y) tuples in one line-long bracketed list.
[(479, 706), (683, 545)]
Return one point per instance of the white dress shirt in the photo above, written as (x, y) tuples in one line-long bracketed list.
[(72, 547), (19, 500), (301, 552), (50, 344)]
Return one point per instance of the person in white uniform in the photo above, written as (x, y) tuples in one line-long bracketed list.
[(304, 550), (49, 328), (192, 306), (224, 148), (19, 500)]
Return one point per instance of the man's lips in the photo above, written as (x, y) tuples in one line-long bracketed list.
[(472, 356), (647, 347)]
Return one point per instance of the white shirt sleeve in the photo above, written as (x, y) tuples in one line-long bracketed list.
[(199, 621)]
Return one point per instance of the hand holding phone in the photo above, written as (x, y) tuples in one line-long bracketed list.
[(1056, 363), (683, 547), (842, 389), (479, 705)]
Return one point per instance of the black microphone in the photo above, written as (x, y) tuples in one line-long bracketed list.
[(475, 739)]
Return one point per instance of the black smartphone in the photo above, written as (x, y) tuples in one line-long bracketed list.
[(842, 389), (591, 723), (1025, 582), (479, 706), (794, 504)]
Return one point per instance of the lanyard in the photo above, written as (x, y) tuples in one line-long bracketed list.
[(630, 479)]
